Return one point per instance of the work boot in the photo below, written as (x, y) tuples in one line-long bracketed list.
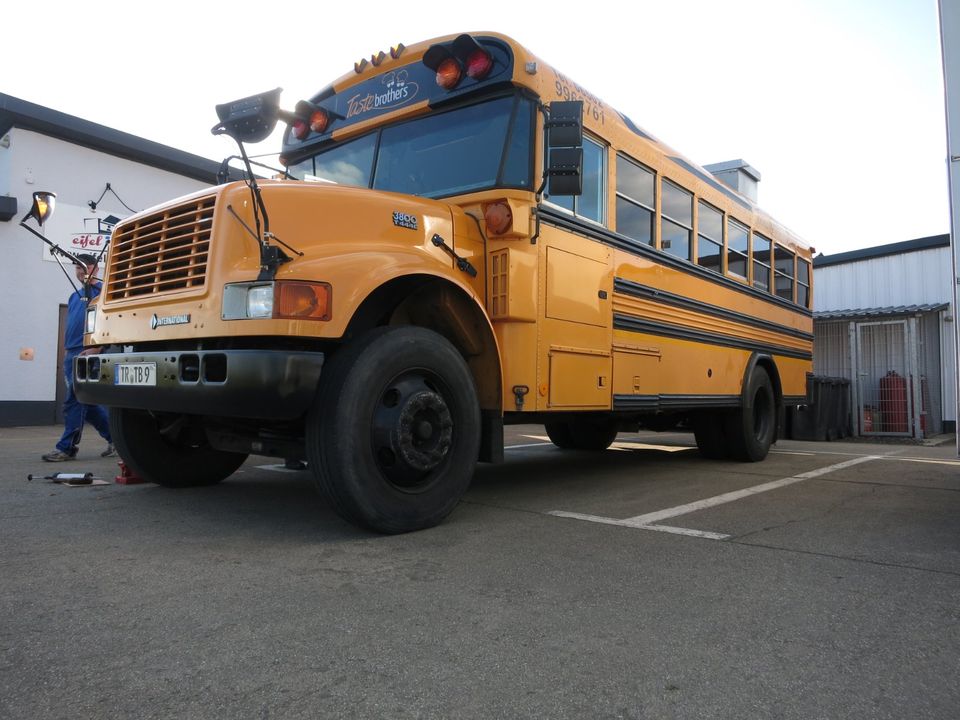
[(111, 451), (57, 456)]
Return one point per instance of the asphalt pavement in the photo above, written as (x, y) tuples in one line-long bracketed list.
[(641, 582)]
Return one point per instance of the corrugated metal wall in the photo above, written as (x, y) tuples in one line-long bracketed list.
[(912, 278)]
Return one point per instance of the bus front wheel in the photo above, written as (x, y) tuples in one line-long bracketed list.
[(394, 434)]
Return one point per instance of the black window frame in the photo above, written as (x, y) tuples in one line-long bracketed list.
[(777, 273), (754, 261), (676, 221), (740, 254), (621, 194), (603, 185), (702, 236)]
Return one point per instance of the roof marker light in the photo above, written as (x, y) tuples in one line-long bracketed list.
[(378, 58), (395, 51), (358, 67), (479, 64), (449, 73)]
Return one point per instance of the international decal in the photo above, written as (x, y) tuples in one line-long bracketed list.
[(161, 321)]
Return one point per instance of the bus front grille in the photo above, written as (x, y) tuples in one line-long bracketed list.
[(164, 252)]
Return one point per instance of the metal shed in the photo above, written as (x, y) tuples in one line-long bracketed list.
[(883, 318)]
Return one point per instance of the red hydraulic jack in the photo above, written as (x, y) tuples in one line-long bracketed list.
[(127, 476)]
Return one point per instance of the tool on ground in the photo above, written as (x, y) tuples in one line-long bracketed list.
[(66, 478)]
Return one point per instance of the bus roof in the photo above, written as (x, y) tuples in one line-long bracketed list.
[(395, 84)]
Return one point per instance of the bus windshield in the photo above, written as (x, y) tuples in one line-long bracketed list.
[(470, 148)]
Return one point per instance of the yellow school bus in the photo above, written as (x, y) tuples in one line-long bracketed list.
[(463, 238)]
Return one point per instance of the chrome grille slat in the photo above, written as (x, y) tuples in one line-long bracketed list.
[(165, 252)]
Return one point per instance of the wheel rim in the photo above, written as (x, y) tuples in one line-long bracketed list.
[(412, 430)]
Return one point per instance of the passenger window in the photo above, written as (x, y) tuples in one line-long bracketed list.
[(761, 262), (738, 244), (676, 221), (635, 200), (592, 202), (783, 272), (803, 283), (709, 237)]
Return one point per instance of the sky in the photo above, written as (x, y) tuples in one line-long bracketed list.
[(839, 104)]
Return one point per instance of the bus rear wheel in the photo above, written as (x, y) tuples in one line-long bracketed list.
[(394, 434), (750, 430), (169, 450), (582, 434)]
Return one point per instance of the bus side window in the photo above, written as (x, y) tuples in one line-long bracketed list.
[(635, 200), (761, 262), (709, 237), (676, 220), (591, 203), (803, 283), (783, 272), (738, 245)]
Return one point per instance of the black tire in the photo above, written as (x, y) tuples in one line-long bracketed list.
[(394, 434), (164, 449), (708, 429), (750, 430), (560, 434), (582, 434)]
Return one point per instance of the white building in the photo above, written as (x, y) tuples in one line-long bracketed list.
[(96, 172), (884, 319)]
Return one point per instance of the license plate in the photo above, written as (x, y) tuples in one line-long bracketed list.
[(135, 374)]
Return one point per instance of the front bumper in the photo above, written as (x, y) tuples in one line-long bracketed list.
[(265, 384)]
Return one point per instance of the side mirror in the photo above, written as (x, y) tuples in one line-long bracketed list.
[(42, 209), (250, 119), (565, 148)]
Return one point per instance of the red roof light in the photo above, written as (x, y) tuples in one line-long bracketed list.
[(479, 64)]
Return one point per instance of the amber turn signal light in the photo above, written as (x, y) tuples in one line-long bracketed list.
[(498, 217), (303, 300)]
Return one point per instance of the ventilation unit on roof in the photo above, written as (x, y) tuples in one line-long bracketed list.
[(738, 174)]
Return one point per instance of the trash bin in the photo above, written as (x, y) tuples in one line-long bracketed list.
[(826, 415)]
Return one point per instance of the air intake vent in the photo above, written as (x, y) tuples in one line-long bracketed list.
[(165, 252)]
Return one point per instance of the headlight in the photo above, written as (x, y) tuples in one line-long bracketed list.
[(260, 301), (247, 300), (91, 323), (283, 299)]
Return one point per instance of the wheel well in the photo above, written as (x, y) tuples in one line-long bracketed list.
[(439, 305)]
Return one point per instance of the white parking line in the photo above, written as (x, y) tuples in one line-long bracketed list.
[(649, 521)]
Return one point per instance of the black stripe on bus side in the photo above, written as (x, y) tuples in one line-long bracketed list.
[(628, 287), (655, 403), (634, 324), (621, 242)]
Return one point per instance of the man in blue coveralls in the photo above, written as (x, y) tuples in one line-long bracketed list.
[(74, 412)]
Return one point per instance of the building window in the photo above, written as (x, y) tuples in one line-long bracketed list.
[(709, 237), (591, 203), (676, 220), (635, 200), (761, 262), (738, 245), (783, 272), (803, 283)]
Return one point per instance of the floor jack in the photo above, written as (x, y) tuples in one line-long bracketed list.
[(127, 476)]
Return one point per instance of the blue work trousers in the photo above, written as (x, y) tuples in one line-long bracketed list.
[(76, 413)]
